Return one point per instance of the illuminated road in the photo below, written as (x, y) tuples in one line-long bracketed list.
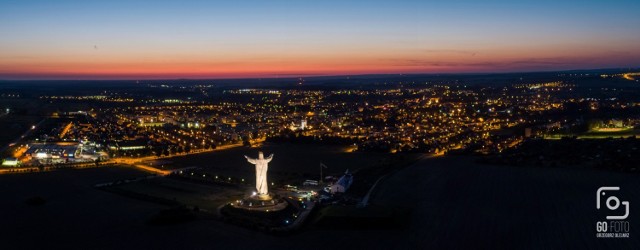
[(135, 162), (25, 134), (152, 169), (630, 76), (138, 162), (131, 161)]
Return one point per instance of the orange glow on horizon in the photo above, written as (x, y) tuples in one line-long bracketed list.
[(233, 64)]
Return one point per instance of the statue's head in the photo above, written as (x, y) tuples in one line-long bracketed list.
[(260, 155)]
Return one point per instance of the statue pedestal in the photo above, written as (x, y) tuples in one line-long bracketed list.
[(275, 214), (260, 202), (262, 197)]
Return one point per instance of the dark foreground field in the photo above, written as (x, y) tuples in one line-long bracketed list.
[(454, 203), (459, 204)]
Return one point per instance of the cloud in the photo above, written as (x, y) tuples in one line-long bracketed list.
[(543, 61), (450, 51), (524, 62)]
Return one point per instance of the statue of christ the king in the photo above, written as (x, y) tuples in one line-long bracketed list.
[(262, 164)]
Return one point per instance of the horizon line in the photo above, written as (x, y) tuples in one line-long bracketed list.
[(292, 76)]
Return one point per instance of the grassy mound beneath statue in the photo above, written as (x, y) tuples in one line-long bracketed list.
[(263, 220)]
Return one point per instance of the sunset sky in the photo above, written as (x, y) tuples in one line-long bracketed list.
[(224, 39)]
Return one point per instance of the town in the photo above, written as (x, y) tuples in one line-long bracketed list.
[(421, 117)]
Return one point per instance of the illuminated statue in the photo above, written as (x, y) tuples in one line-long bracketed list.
[(262, 164)]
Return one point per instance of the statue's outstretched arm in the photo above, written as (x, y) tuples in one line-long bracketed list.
[(268, 159), (252, 161)]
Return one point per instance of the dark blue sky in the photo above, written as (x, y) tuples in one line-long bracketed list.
[(139, 39)]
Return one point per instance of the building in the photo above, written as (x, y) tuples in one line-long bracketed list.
[(52, 150), (10, 162), (129, 145), (343, 184)]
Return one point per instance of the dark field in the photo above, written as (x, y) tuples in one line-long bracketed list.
[(206, 197), (290, 161), (454, 203), (459, 204), (292, 164)]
